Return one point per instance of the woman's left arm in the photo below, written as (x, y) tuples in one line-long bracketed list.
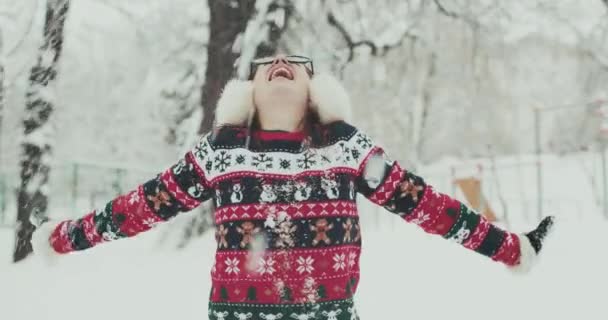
[(406, 194)]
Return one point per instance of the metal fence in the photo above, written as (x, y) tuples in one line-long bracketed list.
[(570, 186), (74, 188)]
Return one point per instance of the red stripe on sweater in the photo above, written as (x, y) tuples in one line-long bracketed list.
[(303, 290), (431, 212), (59, 238), (478, 235), (323, 263), (176, 192), (370, 153), (89, 229), (509, 252), (139, 216), (279, 135), (386, 190), (295, 210), (241, 174)]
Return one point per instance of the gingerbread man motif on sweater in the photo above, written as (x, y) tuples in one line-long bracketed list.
[(301, 203)]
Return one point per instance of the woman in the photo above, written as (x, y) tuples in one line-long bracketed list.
[(284, 167)]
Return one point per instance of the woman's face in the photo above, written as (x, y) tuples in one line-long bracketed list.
[(281, 82)]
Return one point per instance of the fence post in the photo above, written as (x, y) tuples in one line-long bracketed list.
[(74, 187), (2, 199), (604, 179), (539, 176), (117, 186)]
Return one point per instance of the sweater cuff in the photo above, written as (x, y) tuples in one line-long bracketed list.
[(527, 258)]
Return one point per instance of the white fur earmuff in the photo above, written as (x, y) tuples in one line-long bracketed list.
[(235, 104), (327, 96), (330, 99)]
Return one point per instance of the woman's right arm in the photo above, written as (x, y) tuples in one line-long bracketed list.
[(180, 188)]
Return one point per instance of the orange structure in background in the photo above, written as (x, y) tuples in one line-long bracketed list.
[(471, 187)]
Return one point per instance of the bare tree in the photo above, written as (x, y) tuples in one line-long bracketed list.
[(238, 31), (229, 22), (36, 146), (2, 92)]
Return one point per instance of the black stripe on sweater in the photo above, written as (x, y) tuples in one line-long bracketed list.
[(492, 242), (77, 236)]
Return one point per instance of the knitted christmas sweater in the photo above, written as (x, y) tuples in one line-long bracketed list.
[(287, 228)]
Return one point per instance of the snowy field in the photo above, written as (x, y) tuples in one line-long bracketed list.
[(405, 273)]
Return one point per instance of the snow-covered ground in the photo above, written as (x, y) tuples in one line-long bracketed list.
[(406, 274)]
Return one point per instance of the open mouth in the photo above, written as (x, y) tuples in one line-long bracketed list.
[(280, 72)]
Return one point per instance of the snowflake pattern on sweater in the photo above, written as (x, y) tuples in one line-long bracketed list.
[(287, 228)]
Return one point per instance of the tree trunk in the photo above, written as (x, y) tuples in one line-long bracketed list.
[(2, 101), (228, 20), (36, 146)]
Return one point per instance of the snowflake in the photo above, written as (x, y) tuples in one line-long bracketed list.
[(305, 264), (134, 197), (421, 218), (351, 259), (262, 161), (344, 153), (364, 141), (285, 164), (307, 161), (201, 151), (208, 166), (240, 159), (266, 266), (232, 266), (356, 154), (222, 161), (150, 222), (339, 260)]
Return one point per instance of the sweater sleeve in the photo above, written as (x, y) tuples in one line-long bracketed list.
[(180, 188), (402, 192)]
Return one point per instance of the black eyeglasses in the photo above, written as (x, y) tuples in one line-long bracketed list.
[(293, 59)]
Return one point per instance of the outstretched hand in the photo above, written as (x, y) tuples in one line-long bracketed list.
[(537, 236)]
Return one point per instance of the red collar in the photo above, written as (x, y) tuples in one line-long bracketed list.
[(279, 135)]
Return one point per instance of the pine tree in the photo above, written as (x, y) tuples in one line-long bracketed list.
[(252, 294), (286, 294), (321, 291), (36, 146), (224, 293), (2, 92), (350, 285)]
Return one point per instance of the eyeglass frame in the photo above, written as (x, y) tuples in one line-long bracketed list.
[(253, 66)]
